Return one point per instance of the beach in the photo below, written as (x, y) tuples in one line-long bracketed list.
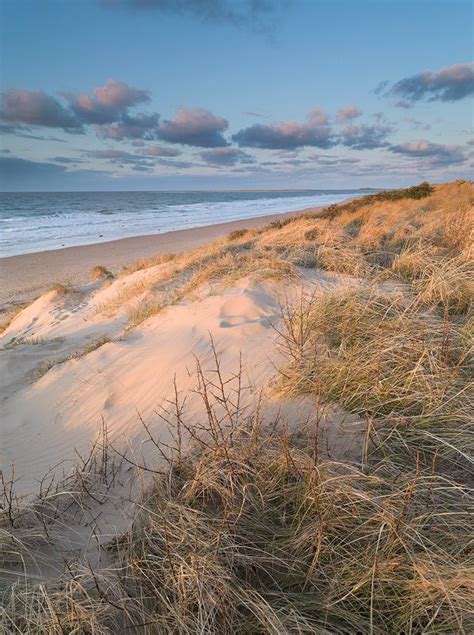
[(25, 276)]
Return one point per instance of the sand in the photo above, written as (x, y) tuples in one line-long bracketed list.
[(49, 420), (24, 277)]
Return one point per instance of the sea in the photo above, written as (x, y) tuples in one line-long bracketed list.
[(38, 221)]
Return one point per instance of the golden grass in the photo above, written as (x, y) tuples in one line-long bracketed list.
[(100, 273), (142, 312), (9, 315), (61, 289), (250, 531), (380, 235), (373, 352), (145, 263)]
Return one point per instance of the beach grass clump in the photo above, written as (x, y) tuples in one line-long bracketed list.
[(443, 281), (237, 234), (8, 316), (342, 259), (142, 312), (448, 283), (411, 263), (31, 341), (93, 346), (100, 273), (373, 352), (396, 361), (61, 289), (229, 266), (43, 367), (415, 192), (145, 263)]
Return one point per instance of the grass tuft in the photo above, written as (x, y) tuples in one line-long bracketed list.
[(142, 312), (100, 273)]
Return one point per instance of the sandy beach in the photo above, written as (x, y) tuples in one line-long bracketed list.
[(25, 276)]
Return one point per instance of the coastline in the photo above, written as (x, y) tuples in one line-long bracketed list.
[(25, 276)]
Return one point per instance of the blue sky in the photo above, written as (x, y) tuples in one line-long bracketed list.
[(189, 94)]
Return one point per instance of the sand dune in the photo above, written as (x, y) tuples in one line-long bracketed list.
[(49, 418)]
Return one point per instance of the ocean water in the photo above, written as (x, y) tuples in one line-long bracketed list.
[(33, 221)]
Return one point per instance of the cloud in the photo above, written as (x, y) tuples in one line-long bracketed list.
[(253, 13), (226, 156), (448, 84), (253, 113), (365, 137), (22, 131), (159, 151), (381, 86), (108, 109), (139, 126), (347, 113), (177, 165), (66, 160), (36, 108), (318, 117), (327, 160), (436, 155), (108, 104), (121, 158), (22, 175), (288, 135), (417, 124), (196, 127)]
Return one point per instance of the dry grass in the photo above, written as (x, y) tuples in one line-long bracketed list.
[(93, 346), (143, 311), (248, 530), (31, 341), (8, 317), (61, 289), (100, 273), (145, 263), (373, 351), (369, 237), (239, 233)]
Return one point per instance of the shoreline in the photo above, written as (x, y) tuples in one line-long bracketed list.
[(25, 276)]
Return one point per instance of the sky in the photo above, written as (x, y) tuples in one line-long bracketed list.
[(234, 94)]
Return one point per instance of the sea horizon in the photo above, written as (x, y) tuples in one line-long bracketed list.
[(40, 221)]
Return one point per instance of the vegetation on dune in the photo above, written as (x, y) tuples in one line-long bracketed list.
[(99, 273), (8, 316), (368, 237), (248, 525), (252, 530)]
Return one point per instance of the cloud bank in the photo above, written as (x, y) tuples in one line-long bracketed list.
[(251, 13), (196, 127), (348, 113), (226, 156), (288, 135), (451, 83), (436, 155), (36, 108)]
